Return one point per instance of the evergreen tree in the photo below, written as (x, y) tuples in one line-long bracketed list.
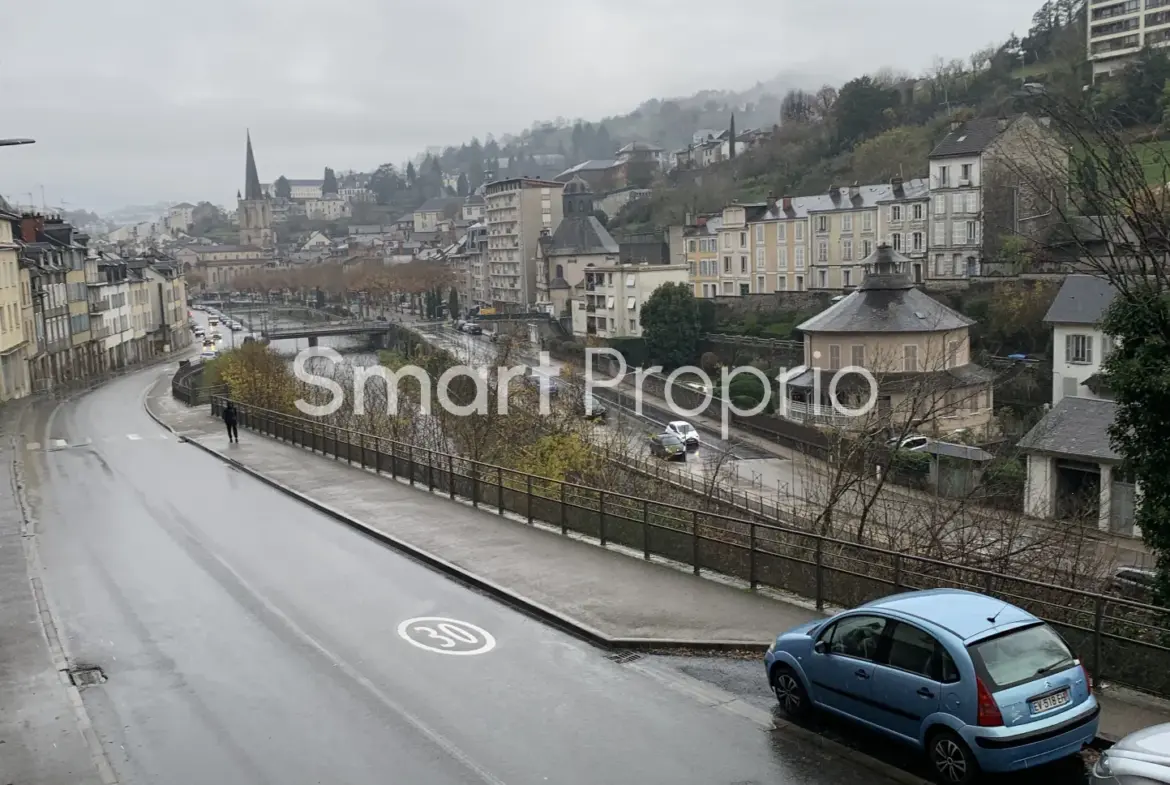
[(462, 187), (411, 175), (282, 188)]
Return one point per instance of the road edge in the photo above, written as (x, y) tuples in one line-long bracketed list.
[(49, 623)]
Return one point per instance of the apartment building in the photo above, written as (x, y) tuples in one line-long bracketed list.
[(1119, 29), (612, 297), (110, 311), (14, 381), (168, 305), (701, 253), (517, 210), (992, 178), (903, 220), (843, 227)]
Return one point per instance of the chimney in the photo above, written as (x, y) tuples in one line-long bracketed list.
[(29, 226), (771, 202), (955, 125), (896, 181), (834, 191), (702, 221), (688, 219), (787, 204), (1003, 124), (854, 190)]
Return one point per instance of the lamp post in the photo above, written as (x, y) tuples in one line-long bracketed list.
[(15, 142)]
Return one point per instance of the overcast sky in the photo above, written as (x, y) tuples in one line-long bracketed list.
[(137, 101)]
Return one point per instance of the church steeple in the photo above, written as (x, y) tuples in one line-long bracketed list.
[(252, 189)]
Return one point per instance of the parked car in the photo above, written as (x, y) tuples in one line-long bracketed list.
[(594, 408), (1133, 583), (1141, 758), (668, 447), (537, 379), (473, 329), (685, 431), (976, 683), (913, 443), (459, 323)]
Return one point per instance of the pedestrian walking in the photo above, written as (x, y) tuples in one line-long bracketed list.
[(229, 419)]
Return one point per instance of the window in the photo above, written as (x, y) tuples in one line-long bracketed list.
[(761, 286), (940, 204), (834, 358), (847, 223), (799, 232), (1007, 660), (691, 245), (782, 258), (629, 282), (726, 241), (1107, 347), (958, 233), (867, 222), (855, 636), (609, 303), (846, 278), (918, 211), (759, 258), (952, 353), (910, 357), (958, 203), (631, 303), (727, 265), (800, 283), (781, 233), (781, 283), (745, 289), (917, 241), (822, 251), (966, 172), (914, 651), (943, 177), (866, 248), (895, 212), (1078, 349), (743, 239), (972, 202), (822, 223), (800, 258), (824, 278), (896, 241), (857, 355), (759, 234), (743, 264), (972, 234), (847, 250)]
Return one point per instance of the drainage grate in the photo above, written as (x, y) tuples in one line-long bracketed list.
[(622, 657), (85, 677)]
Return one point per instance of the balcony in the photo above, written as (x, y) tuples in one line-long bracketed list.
[(98, 306)]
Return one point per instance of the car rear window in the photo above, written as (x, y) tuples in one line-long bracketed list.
[(1020, 656), (670, 439)]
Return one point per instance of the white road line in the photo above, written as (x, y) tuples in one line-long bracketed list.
[(58, 444), (33, 446), (133, 437)]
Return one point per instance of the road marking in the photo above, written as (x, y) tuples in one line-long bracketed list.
[(33, 446), (446, 636), (58, 444), (133, 437)]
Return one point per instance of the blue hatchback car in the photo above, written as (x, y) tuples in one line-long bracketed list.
[(978, 684)]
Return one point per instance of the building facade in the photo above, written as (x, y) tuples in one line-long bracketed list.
[(517, 211), (1119, 29), (14, 381), (611, 298), (254, 209)]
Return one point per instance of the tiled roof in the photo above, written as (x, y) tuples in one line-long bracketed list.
[(439, 203), (1076, 427), (867, 196), (918, 188), (1082, 299), (971, 138)]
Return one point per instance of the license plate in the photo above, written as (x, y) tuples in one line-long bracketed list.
[(1049, 702)]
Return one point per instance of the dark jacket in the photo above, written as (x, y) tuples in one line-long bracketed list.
[(229, 414)]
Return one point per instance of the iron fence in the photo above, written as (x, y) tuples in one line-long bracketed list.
[(1120, 640)]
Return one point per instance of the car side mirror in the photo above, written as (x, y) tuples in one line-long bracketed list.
[(820, 647)]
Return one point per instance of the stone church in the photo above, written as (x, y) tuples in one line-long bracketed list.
[(254, 209)]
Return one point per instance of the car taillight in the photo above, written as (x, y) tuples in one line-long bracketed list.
[(1088, 679), (988, 715)]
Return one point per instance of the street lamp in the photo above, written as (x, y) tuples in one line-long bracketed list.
[(14, 142)]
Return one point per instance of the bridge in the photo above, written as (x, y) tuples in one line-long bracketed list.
[(315, 331)]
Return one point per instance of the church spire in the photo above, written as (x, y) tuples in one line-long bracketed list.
[(251, 177)]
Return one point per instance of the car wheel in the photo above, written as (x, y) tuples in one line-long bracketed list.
[(951, 759), (790, 693)]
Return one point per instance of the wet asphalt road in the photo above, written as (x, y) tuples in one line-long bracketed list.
[(250, 640)]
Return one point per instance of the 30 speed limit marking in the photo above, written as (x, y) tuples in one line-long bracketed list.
[(446, 636)]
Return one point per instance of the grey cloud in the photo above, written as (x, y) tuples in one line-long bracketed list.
[(137, 100)]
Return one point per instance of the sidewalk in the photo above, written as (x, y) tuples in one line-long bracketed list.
[(602, 591)]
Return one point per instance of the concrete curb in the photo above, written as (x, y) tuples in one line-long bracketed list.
[(564, 623)]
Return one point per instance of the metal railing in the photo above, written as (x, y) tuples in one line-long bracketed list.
[(186, 387), (1120, 640)]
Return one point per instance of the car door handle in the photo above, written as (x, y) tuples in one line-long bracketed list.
[(861, 673), (924, 692)]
